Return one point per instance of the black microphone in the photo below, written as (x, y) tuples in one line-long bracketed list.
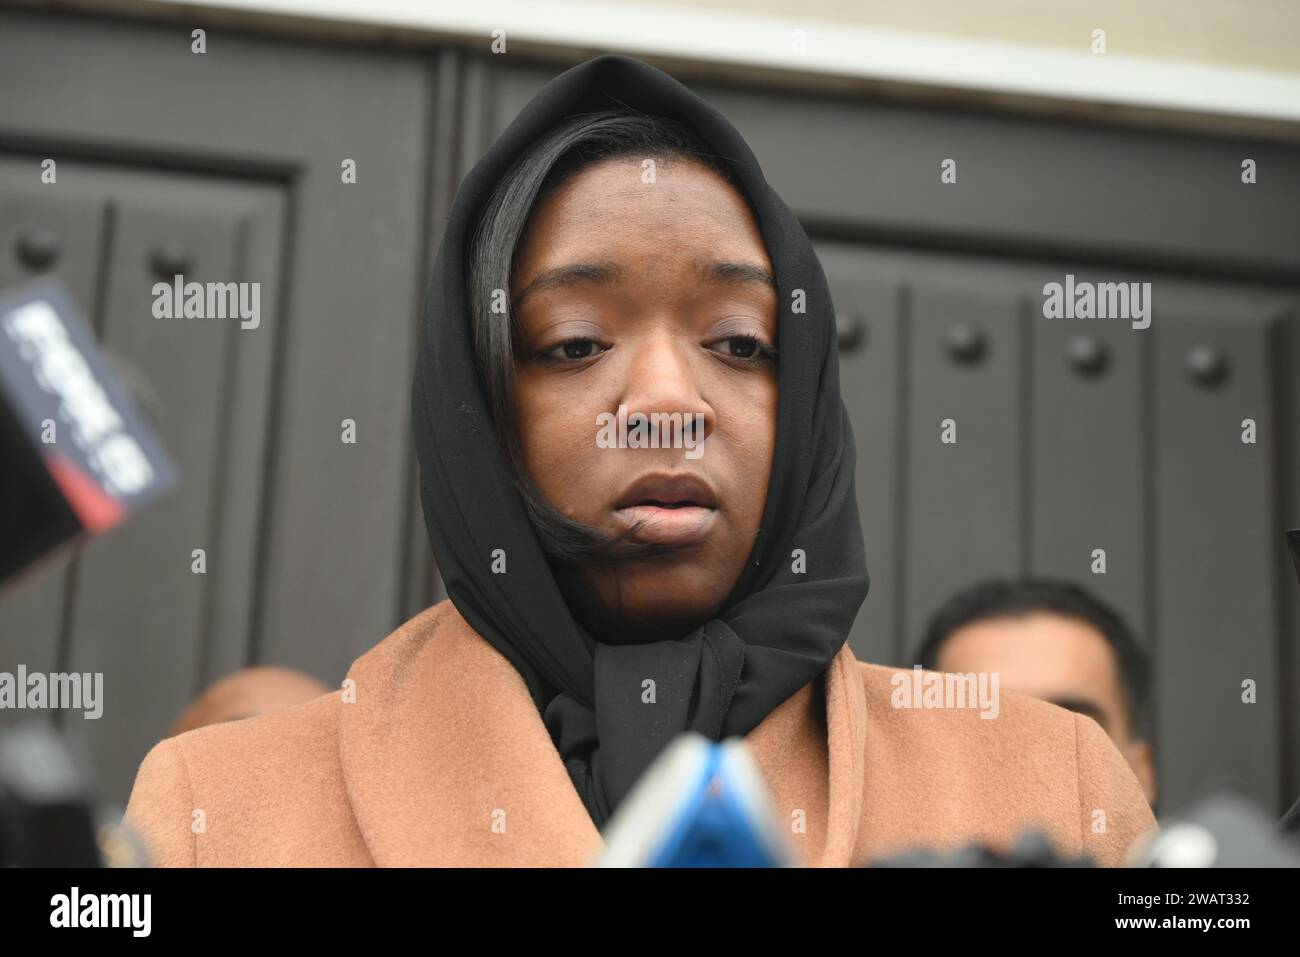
[(76, 457), (50, 813), (1221, 830)]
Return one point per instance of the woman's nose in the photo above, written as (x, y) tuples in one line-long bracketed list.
[(661, 379)]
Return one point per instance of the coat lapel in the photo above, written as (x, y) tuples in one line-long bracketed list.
[(846, 714), (811, 750), (446, 761)]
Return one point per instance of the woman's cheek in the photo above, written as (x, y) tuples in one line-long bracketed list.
[(558, 450), (748, 438), (748, 428)]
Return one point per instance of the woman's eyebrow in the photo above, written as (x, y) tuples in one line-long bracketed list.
[(727, 273), (606, 273), (716, 271)]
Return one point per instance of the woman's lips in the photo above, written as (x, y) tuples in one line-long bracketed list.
[(683, 524)]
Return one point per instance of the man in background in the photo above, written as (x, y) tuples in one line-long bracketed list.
[(248, 692), (1057, 642)]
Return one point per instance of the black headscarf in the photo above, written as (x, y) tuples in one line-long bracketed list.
[(787, 616)]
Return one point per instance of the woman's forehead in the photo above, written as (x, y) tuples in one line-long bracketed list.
[(690, 222), (700, 269)]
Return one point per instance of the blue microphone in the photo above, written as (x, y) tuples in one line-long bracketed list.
[(701, 804)]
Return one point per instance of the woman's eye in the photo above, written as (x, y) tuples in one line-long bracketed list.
[(748, 348), (743, 347), (573, 350)]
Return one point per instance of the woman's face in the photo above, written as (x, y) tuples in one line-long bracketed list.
[(657, 297)]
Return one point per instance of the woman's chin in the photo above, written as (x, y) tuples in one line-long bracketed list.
[(656, 605)]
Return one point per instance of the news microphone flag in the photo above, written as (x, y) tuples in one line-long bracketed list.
[(701, 804), (77, 457)]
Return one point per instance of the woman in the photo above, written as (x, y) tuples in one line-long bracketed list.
[(616, 261)]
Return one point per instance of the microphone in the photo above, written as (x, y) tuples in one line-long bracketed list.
[(700, 804), (78, 458), (1223, 830), (50, 814)]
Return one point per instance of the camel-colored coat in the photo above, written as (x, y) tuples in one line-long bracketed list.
[(443, 745)]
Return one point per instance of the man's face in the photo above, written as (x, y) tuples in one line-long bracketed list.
[(1062, 660)]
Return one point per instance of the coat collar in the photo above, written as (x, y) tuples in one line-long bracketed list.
[(446, 760)]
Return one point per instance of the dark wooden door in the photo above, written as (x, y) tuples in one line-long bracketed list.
[(230, 165)]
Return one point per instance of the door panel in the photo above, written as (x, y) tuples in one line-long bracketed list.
[(1217, 535)]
